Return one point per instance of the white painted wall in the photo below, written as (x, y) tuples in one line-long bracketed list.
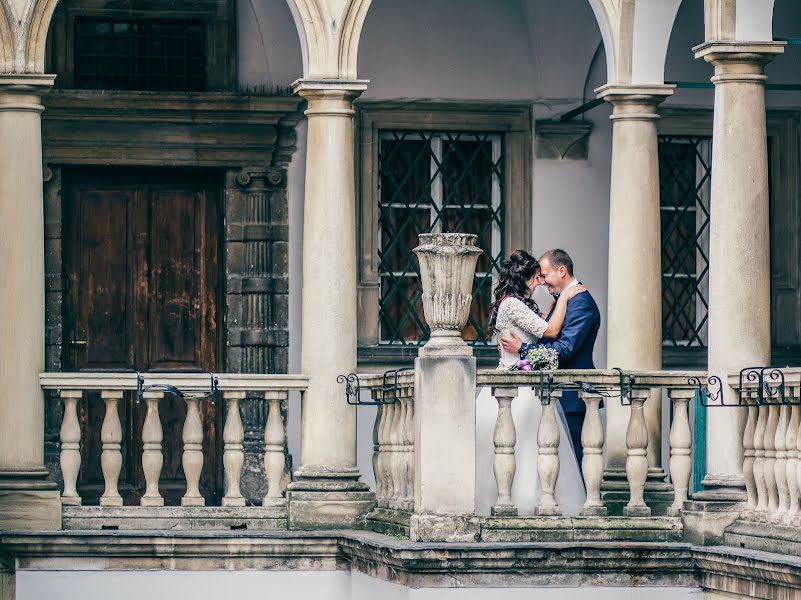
[(268, 585)]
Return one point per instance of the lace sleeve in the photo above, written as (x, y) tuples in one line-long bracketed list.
[(525, 318)]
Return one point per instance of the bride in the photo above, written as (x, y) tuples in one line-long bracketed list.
[(515, 310)]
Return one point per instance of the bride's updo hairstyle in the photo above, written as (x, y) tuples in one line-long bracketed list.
[(515, 271)]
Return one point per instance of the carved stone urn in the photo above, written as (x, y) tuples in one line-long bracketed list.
[(447, 266)]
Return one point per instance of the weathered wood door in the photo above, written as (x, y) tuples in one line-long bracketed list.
[(141, 293)]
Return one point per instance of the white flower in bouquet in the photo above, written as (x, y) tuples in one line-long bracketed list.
[(537, 358)]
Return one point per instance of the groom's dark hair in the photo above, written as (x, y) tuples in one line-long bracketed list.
[(559, 258)]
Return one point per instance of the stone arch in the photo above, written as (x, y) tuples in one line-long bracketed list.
[(329, 32), (39, 16), (609, 14), (7, 37), (743, 20), (23, 34), (636, 34)]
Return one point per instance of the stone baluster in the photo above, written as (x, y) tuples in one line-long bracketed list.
[(504, 439), (385, 458), (70, 447), (592, 464), (379, 483), (681, 443), (408, 450), (796, 517), (111, 457), (275, 448), (152, 457), (759, 455), (233, 452), (637, 458), (780, 467), (770, 459), (396, 451), (792, 458), (193, 453), (548, 458), (749, 454)]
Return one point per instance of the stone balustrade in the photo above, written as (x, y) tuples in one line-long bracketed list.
[(394, 443), (771, 442), (600, 386), (393, 440), (153, 388)]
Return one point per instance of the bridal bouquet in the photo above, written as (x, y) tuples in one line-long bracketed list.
[(537, 358)]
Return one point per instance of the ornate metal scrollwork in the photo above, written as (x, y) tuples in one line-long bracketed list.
[(768, 382), (389, 391), (771, 394), (141, 388), (624, 391), (707, 393)]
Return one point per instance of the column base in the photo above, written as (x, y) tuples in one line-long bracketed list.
[(324, 499), (615, 492), (503, 511), (710, 512), (594, 511), (444, 528), (28, 501)]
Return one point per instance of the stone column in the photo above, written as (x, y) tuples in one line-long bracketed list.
[(739, 241), (634, 314), (445, 395), (27, 499), (328, 491)]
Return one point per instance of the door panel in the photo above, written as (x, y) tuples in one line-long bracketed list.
[(141, 257)]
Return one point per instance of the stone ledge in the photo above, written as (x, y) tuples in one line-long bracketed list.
[(749, 573), (581, 529), (175, 518), (764, 537), (628, 564)]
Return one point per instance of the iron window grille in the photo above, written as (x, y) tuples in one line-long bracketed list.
[(431, 182), (140, 54), (685, 175)]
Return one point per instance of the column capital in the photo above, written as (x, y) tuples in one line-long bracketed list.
[(739, 61), (635, 102), (23, 91), (756, 52), (351, 88), (329, 97), (26, 83)]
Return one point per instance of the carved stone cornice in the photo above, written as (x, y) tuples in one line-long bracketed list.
[(144, 128)]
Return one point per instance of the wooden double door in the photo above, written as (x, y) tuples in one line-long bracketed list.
[(142, 283)]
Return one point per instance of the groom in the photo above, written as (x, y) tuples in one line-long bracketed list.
[(576, 340)]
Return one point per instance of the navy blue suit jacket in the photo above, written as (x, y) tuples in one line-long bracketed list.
[(575, 342)]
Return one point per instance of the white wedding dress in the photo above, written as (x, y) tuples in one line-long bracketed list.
[(514, 315)]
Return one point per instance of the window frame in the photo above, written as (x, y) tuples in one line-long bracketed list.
[(512, 120), (783, 128), (218, 17)]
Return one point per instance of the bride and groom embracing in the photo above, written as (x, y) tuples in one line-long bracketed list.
[(569, 327)]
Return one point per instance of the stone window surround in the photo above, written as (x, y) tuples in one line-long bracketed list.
[(785, 163), (513, 120)]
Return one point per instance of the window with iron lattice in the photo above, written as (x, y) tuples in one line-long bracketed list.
[(685, 176), (140, 54), (433, 181)]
